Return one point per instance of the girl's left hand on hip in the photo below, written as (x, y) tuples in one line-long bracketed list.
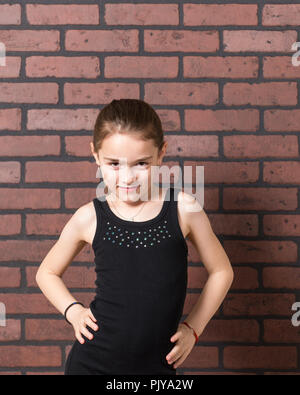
[(185, 341)]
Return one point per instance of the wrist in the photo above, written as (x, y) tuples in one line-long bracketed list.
[(193, 331), (72, 310)]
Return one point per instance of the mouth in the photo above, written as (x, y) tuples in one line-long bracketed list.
[(132, 188)]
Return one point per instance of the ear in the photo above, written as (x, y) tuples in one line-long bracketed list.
[(162, 152), (95, 155)]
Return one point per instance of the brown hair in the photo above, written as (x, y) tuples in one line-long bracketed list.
[(133, 116)]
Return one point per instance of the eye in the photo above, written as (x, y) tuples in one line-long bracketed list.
[(117, 164)]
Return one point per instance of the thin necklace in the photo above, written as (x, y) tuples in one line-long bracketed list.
[(131, 218)]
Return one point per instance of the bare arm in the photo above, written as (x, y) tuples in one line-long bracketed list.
[(216, 262), (60, 256)]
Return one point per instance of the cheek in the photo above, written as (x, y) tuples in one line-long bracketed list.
[(110, 176)]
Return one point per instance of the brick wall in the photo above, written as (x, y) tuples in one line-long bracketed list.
[(222, 80)]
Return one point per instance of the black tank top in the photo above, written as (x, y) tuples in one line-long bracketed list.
[(141, 286)]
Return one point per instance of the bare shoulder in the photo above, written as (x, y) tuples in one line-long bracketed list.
[(202, 236), (84, 219), (191, 212)]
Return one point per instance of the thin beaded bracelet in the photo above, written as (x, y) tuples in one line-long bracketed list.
[(65, 313), (195, 334)]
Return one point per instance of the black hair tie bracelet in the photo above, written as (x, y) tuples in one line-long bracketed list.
[(65, 313)]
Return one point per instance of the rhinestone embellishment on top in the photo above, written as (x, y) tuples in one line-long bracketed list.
[(137, 239)]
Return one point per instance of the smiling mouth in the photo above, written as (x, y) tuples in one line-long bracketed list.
[(132, 187)]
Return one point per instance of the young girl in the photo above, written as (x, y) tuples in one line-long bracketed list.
[(132, 325)]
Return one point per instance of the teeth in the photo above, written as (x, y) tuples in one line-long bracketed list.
[(128, 187)]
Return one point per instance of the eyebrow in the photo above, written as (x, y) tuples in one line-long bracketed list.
[(147, 157)]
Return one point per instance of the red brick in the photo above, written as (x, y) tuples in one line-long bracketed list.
[(141, 67), (29, 145), (191, 299), (225, 172), (32, 198), (220, 67), (76, 197), (30, 40), (98, 93), (252, 146), (203, 146), (244, 278), (62, 14), (232, 330), (282, 120), (219, 14), (197, 277), (170, 119), (26, 250), (62, 119), (46, 224), (265, 251), (281, 15), (12, 67), (202, 357), (260, 357), (280, 331), (181, 40), (282, 225), (13, 372), (280, 67), (234, 224), (28, 92), (35, 250), (259, 41), (48, 329), (10, 172), (10, 277), (63, 66), (211, 198), (221, 120), (190, 93), (278, 373), (282, 172), (141, 14), (193, 255), (37, 303), (74, 276), (102, 40), (260, 198), (11, 331), (59, 171), (15, 356), (52, 373), (10, 14), (261, 94), (258, 304), (10, 119), (79, 145), (281, 277)]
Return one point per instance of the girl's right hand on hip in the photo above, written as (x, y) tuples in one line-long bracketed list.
[(81, 317)]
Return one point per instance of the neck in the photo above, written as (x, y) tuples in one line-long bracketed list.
[(129, 203)]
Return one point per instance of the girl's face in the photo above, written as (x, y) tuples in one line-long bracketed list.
[(125, 163)]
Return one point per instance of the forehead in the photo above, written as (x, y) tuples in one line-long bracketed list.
[(125, 146)]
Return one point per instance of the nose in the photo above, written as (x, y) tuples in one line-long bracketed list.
[(126, 176)]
